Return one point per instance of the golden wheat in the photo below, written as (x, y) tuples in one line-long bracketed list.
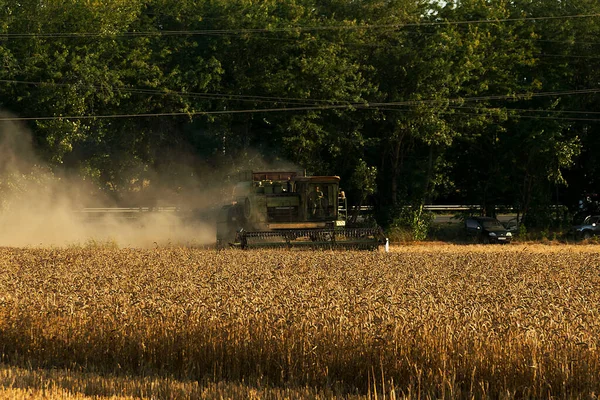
[(438, 321)]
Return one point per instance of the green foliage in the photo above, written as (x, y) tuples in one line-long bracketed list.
[(522, 231), (17, 187), (414, 221), (404, 108), (364, 179)]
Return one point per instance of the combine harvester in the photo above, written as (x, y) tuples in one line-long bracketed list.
[(283, 209)]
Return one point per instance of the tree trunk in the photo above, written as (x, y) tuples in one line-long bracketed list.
[(397, 156), (429, 187)]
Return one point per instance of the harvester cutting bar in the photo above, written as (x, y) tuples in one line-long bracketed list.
[(355, 238)]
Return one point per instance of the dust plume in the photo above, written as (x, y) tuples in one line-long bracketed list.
[(41, 207)]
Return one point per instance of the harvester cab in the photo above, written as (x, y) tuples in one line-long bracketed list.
[(286, 209)]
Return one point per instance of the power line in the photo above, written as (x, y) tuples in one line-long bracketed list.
[(374, 105), (564, 56), (287, 29), (388, 46), (509, 115), (530, 110), (563, 41), (291, 100), (209, 96)]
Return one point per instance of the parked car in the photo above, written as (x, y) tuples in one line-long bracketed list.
[(487, 230), (588, 228)]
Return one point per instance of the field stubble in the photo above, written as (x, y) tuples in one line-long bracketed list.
[(421, 321)]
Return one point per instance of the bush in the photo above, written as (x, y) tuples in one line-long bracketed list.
[(415, 222)]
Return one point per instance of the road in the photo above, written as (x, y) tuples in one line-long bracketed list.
[(449, 218)]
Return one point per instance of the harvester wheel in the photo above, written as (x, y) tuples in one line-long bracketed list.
[(247, 209)]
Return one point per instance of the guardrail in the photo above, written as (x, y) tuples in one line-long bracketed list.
[(451, 207), (436, 207), (122, 212), (117, 210)]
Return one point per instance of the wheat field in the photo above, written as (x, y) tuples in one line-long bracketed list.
[(424, 321)]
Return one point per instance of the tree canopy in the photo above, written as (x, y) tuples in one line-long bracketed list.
[(409, 101)]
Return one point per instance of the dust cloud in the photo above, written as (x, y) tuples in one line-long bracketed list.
[(41, 207)]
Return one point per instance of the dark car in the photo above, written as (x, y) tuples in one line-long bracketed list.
[(487, 230), (588, 228)]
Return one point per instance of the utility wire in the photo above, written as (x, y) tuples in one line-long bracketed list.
[(509, 115), (530, 110), (564, 56), (374, 105), (289, 29), (492, 110), (209, 96), (326, 103)]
